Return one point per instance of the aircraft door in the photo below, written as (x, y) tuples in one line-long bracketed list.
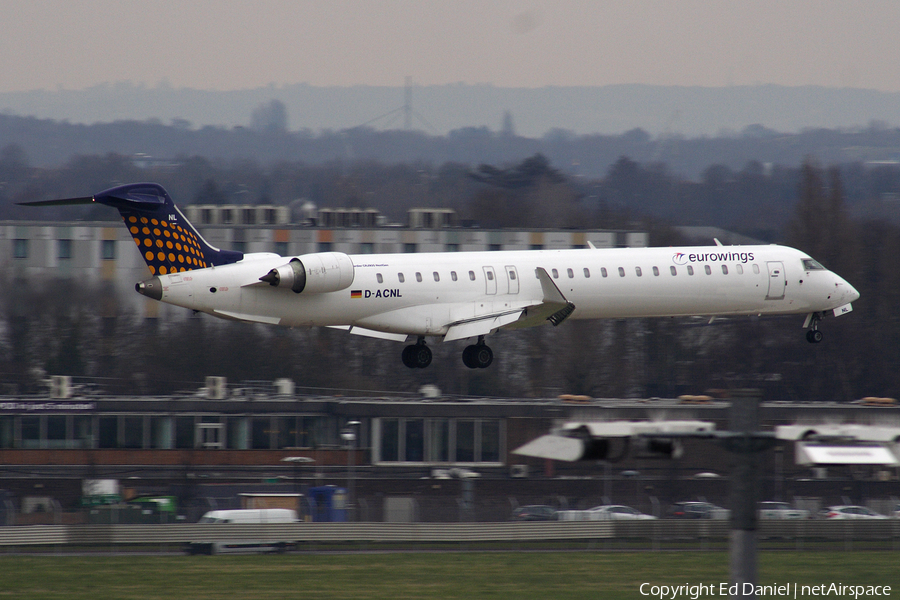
[(513, 278), (777, 281), (490, 281)]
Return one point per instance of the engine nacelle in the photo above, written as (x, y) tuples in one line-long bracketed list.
[(313, 273)]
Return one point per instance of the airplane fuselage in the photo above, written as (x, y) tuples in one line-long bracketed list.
[(424, 294)]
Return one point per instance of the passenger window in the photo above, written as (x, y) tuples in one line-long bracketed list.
[(621, 272), (602, 271), (656, 271), (707, 269), (740, 270), (379, 278), (637, 271), (724, 269), (490, 275), (570, 273), (555, 274), (401, 277), (472, 275), (419, 277), (673, 271), (512, 275), (690, 270), (453, 275), (756, 269), (587, 273), (436, 276)]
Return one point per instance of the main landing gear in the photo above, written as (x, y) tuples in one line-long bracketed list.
[(813, 335), (478, 356), (417, 356)]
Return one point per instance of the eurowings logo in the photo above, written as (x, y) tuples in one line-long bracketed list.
[(680, 258)]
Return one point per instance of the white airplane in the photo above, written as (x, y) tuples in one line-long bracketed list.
[(462, 295)]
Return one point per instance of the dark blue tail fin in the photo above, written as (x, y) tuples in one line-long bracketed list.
[(166, 239)]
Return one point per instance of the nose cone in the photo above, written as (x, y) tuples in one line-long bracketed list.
[(151, 288), (853, 294)]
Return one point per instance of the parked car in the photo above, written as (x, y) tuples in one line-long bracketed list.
[(698, 510), (849, 512), (781, 510), (617, 512), (534, 512)]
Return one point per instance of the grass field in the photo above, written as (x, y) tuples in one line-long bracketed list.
[(468, 575)]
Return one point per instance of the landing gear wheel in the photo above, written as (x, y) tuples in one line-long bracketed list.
[(478, 356), (814, 336), (408, 359), (416, 356)]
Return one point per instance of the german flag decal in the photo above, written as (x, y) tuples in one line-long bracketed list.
[(356, 293)]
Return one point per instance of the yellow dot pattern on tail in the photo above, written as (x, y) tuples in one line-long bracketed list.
[(166, 247)]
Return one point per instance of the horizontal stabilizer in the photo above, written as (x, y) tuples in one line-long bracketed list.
[(61, 202)]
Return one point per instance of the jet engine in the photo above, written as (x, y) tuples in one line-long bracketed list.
[(313, 273)]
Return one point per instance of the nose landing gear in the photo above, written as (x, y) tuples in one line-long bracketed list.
[(813, 335)]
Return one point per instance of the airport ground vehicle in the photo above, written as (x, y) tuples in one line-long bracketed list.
[(849, 512), (781, 510), (698, 510), (608, 512), (237, 544), (534, 512)]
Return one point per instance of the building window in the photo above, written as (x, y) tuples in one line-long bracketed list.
[(281, 248), (239, 246), (63, 249), (465, 441), (20, 248), (494, 247), (390, 440), (452, 248), (414, 447), (409, 248), (108, 250), (324, 246)]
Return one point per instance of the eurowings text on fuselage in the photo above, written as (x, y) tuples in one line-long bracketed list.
[(460, 295)]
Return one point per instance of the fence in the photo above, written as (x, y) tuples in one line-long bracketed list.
[(637, 535)]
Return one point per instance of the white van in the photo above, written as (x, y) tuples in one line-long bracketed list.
[(249, 541), (251, 515)]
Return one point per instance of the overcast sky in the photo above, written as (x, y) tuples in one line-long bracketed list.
[(236, 44)]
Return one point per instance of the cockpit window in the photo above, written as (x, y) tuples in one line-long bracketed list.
[(812, 265)]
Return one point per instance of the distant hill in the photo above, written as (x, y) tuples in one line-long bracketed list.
[(439, 109)]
